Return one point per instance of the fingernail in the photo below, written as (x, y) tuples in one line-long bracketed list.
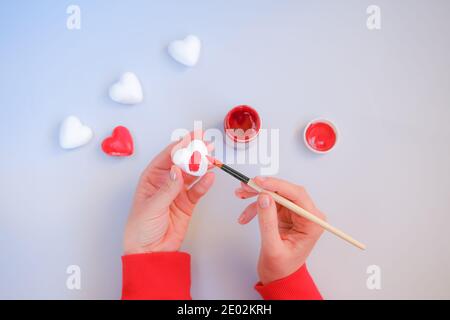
[(264, 201), (173, 174), (241, 219)]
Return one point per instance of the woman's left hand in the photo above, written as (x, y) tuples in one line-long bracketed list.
[(163, 204)]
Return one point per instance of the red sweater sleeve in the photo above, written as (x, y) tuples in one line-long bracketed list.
[(297, 286), (156, 276)]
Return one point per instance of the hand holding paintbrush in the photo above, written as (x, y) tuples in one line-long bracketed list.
[(287, 239), (288, 204)]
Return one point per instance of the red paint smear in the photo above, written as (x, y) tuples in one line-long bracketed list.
[(214, 161), (243, 122), (194, 162), (321, 136)]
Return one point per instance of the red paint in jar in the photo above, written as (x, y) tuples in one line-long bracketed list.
[(320, 136), (242, 123)]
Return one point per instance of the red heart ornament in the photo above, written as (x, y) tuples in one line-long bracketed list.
[(119, 144)]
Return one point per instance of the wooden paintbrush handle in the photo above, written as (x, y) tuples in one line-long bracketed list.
[(307, 215)]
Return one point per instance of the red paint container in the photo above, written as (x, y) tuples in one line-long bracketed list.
[(320, 136), (242, 125)]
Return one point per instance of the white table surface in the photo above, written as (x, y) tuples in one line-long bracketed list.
[(387, 183)]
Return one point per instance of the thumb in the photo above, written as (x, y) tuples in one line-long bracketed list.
[(268, 222), (167, 193)]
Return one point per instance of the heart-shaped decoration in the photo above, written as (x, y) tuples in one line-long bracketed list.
[(128, 90), (192, 159), (119, 144), (73, 133), (186, 51)]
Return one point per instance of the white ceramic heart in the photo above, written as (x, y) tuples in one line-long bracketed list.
[(127, 90), (182, 156), (186, 51), (73, 133)]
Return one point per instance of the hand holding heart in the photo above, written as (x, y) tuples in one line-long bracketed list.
[(192, 159), (163, 204)]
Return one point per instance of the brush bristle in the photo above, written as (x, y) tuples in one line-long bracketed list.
[(214, 161)]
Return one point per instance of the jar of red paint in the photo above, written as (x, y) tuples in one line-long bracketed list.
[(320, 136), (242, 125)]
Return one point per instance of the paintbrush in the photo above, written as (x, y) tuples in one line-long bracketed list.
[(286, 203)]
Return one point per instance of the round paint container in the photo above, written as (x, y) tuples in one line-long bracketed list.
[(320, 136), (242, 125)]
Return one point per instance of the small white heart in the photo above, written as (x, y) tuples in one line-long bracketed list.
[(73, 133), (186, 51), (128, 90), (182, 157)]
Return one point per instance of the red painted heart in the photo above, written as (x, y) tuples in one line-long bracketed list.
[(120, 144)]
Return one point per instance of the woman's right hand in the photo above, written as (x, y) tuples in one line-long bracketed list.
[(286, 238)]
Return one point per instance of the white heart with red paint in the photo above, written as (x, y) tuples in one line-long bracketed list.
[(127, 90), (73, 133), (186, 51), (192, 159)]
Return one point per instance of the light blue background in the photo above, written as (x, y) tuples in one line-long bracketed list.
[(387, 183)]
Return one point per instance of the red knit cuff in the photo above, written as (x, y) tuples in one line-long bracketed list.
[(297, 286), (156, 276)]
